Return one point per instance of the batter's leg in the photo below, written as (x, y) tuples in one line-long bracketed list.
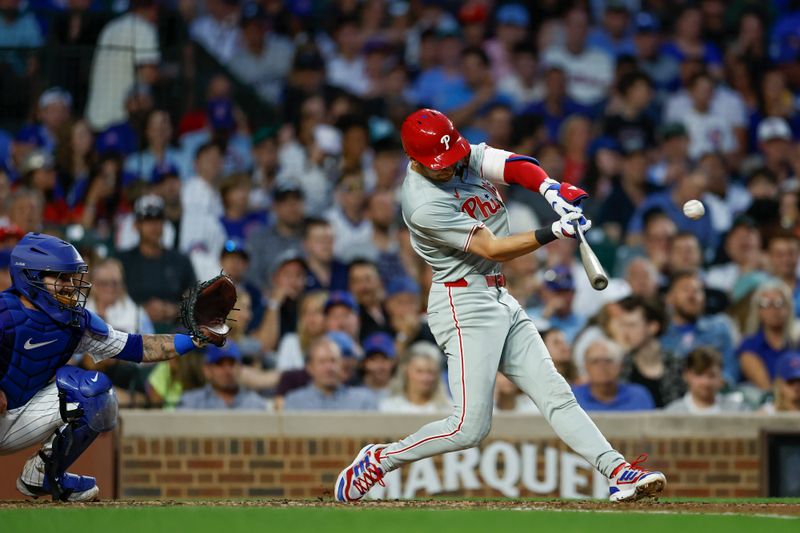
[(527, 363), (470, 327)]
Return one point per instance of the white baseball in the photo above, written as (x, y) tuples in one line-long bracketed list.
[(694, 209)]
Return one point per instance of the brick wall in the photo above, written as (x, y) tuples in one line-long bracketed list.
[(279, 464)]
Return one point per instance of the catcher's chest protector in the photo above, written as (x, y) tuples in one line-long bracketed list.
[(32, 347)]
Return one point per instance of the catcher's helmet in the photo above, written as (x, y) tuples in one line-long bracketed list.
[(38, 255), (429, 137)]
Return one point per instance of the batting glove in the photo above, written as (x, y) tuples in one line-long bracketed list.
[(562, 197), (563, 229)]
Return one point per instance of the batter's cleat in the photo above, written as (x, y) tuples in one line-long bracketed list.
[(630, 482), (362, 474), (71, 487)]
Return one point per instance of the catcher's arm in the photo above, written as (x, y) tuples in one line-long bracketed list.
[(161, 347)]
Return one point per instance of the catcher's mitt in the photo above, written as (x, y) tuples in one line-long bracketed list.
[(205, 309)]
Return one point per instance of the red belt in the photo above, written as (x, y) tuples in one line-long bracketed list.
[(494, 280)]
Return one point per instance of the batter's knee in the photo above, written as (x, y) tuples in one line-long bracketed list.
[(471, 433), (93, 392)]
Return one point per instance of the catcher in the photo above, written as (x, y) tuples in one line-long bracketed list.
[(43, 322)]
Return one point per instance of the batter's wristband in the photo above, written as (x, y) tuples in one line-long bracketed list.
[(544, 235), (183, 344)]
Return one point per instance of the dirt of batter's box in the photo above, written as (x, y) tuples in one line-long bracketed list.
[(524, 505)]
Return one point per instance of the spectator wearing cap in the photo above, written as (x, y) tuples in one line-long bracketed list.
[(287, 284), (124, 138), (523, 83), (558, 293), (647, 41), (418, 383), (703, 376), (436, 84), (352, 231), (223, 390), (127, 51), (775, 100), (265, 166), (221, 128), (37, 172), (53, 115), (613, 36), (589, 70), (234, 261), (690, 186), (512, 21), (324, 270), (158, 151), (769, 334), (604, 391), (787, 385), (342, 314), (293, 346), (327, 391), (379, 364), (473, 16), (775, 147), (165, 183), (157, 277), (238, 220), (783, 255), (365, 284), (306, 79), (284, 233), (742, 248), (403, 306), (689, 328), (218, 31), (263, 58)]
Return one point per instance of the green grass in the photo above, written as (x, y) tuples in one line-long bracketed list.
[(352, 520)]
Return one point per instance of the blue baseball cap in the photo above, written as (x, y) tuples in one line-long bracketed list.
[(604, 142), (346, 345), (234, 246), (380, 343), (341, 298), (788, 366), (513, 15), (646, 23), (163, 170), (214, 354), (402, 285), (220, 114), (559, 278)]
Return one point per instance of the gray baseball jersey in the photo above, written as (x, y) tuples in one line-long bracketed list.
[(443, 217), (481, 328)]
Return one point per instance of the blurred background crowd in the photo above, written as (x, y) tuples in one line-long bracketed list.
[(169, 139)]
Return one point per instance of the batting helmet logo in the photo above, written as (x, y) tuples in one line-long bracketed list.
[(430, 138)]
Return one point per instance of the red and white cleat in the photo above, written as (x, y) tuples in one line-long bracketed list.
[(362, 474), (630, 482)]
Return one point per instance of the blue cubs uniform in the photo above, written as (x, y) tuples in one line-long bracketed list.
[(42, 324)]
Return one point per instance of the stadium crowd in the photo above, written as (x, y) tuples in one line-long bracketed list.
[(644, 103)]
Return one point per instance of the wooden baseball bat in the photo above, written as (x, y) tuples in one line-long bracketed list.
[(594, 270)]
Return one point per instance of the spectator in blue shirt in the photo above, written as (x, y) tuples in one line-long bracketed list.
[(690, 186), (689, 329), (604, 391), (223, 370), (770, 320), (326, 392), (614, 35), (558, 294), (556, 106)]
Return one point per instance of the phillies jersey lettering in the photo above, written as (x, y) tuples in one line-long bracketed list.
[(443, 217)]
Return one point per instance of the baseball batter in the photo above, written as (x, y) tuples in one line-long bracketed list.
[(459, 225), (43, 322)]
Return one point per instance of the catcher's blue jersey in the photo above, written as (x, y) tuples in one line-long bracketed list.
[(32, 347)]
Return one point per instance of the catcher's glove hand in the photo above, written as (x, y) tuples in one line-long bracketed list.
[(205, 309)]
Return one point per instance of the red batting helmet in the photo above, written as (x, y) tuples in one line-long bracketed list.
[(429, 137)]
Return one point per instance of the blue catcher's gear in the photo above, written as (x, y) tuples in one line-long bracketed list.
[(96, 413), (38, 255), (33, 346)]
